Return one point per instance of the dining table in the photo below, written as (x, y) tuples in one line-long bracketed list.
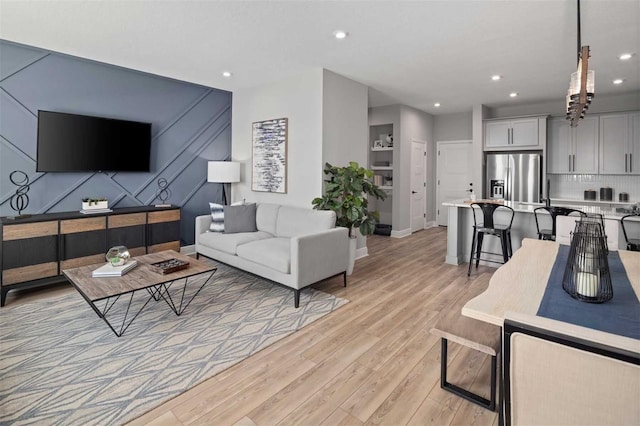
[(519, 287)]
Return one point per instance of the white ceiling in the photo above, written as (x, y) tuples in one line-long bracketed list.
[(410, 52)]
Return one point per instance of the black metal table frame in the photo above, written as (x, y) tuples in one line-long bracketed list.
[(156, 292)]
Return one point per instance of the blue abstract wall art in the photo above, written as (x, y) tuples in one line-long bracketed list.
[(269, 169)]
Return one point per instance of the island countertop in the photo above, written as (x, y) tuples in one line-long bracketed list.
[(607, 212), (460, 227)]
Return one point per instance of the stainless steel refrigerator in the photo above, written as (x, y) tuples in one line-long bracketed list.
[(514, 177)]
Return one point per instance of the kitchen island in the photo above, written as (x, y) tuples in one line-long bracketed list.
[(460, 228)]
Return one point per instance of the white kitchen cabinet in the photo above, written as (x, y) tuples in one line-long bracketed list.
[(573, 149), (515, 133), (620, 144)]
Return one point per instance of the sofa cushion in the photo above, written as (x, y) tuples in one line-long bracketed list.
[(240, 219), (295, 221), (229, 243), (217, 217), (266, 216), (274, 253)]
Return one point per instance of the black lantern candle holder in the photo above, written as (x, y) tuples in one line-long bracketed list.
[(587, 276)]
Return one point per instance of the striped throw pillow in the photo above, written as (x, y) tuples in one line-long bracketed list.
[(217, 217)]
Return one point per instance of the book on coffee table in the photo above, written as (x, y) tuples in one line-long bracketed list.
[(108, 270)]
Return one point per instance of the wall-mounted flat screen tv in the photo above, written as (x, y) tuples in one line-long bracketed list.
[(80, 143)]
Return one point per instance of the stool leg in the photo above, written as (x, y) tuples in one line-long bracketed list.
[(509, 244), (503, 243), (473, 248), (479, 247)]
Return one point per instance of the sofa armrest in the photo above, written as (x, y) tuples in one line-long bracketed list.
[(202, 225), (317, 256)]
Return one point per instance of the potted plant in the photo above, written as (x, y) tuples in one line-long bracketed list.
[(346, 190)]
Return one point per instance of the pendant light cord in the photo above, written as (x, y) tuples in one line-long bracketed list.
[(579, 40)]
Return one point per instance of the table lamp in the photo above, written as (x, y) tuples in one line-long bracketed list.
[(223, 172)]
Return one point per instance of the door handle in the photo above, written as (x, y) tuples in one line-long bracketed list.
[(626, 167), (574, 162), (630, 163), (414, 192), (569, 162)]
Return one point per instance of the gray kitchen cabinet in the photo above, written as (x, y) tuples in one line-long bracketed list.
[(573, 149), (515, 133), (634, 145), (620, 144)]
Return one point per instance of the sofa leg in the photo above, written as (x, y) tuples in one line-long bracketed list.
[(344, 275), (197, 255), (296, 297)]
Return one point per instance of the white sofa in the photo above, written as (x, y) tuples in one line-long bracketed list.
[(293, 246)]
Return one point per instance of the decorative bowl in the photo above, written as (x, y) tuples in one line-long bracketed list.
[(118, 255)]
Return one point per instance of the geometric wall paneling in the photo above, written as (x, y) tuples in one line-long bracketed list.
[(13, 159), (184, 135), (91, 185), (68, 84), (18, 125), (171, 167), (181, 167), (13, 58), (191, 124)]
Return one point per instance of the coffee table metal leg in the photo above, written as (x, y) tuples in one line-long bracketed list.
[(110, 303), (178, 310)]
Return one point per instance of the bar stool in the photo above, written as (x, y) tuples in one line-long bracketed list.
[(489, 227), (550, 234), (633, 244)]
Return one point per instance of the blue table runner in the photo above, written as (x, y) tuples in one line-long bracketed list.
[(620, 315)]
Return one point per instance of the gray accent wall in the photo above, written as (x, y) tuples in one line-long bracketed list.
[(191, 124)]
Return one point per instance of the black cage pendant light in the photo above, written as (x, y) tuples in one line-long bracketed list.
[(582, 83)]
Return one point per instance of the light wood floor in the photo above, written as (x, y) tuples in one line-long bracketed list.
[(372, 361)]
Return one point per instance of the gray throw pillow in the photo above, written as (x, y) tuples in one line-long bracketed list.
[(240, 219)]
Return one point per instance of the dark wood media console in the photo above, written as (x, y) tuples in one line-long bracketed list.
[(36, 249)]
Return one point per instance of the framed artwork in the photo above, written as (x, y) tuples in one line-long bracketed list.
[(269, 160)]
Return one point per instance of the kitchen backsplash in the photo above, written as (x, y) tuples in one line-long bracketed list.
[(573, 186)]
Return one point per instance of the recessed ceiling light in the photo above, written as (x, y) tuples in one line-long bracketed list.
[(226, 74), (618, 81), (625, 56), (437, 104), (496, 77), (339, 34), (513, 94)]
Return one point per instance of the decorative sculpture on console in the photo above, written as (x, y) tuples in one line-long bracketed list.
[(20, 200)]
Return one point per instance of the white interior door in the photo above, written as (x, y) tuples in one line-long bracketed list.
[(454, 172), (418, 185)]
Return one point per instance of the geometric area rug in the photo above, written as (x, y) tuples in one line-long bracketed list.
[(61, 364)]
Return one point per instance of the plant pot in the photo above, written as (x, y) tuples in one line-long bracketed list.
[(353, 242), (95, 205)]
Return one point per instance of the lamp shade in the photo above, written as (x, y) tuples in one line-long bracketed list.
[(223, 172)]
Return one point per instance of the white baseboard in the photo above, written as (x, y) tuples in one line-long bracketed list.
[(187, 250), (431, 224), (362, 252), (401, 234)]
